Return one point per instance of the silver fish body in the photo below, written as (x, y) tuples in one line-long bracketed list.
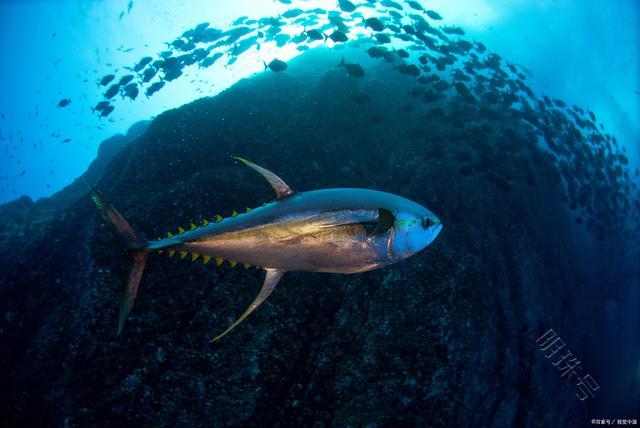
[(343, 230), (329, 230)]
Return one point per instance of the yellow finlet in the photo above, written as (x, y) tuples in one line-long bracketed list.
[(194, 256), (246, 265), (205, 259), (171, 253), (169, 234), (234, 213), (160, 251), (180, 229), (218, 217), (158, 238), (193, 226), (205, 222), (247, 209), (218, 261), (233, 263), (183, 254)]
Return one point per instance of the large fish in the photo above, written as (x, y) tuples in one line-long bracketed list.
[(330, 230)]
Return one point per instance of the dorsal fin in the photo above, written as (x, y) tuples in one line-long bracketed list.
[(282, 189)]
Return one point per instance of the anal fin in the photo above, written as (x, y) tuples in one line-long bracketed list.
[(130, 289), (270, 281)]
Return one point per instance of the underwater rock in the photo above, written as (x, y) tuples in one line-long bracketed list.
[(445, 338)]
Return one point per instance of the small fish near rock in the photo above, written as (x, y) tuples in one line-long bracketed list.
[(433, 15), (337, 37), (100, 106), (131, 91), (106, 111), (107, 79), (408, 69), (155, 87), (374, 23), (112, 91), (314, 35), (276, 65), (353, 70), (346, 6)]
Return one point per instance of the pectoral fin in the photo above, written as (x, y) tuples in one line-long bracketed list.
[(278, 184), (270, 282)]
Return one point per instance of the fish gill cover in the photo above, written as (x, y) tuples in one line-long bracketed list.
[(541, 207)]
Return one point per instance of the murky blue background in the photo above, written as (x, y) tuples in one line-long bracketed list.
[(582, 51)]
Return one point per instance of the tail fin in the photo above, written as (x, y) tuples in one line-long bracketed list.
[(132, 247)]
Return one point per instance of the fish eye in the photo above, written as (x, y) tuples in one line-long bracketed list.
[(427, 222)]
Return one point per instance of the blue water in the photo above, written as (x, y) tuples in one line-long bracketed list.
[(584, 52)]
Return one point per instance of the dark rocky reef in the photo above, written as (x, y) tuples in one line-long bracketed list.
[(445, 338)]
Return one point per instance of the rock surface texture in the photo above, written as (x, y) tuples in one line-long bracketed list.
[(445, 338)]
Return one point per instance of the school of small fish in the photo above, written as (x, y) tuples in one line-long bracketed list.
[(447, 68)]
